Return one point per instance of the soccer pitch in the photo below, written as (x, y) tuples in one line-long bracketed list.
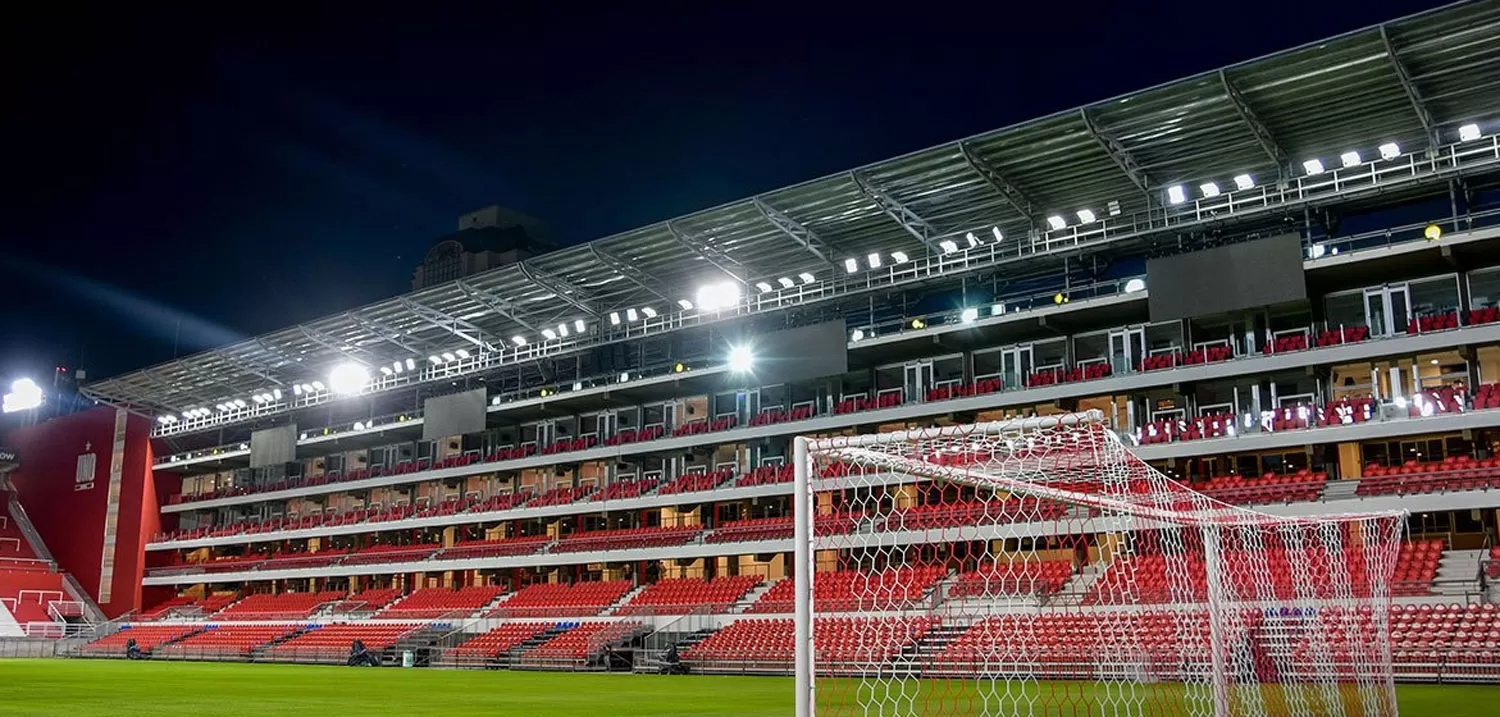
[(109, 688)]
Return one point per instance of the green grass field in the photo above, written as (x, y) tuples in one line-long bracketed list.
[(86, 688)]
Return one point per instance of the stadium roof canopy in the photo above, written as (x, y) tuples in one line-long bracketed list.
[(1413, 81)]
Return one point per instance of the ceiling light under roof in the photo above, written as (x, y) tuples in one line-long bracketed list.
[(1468, 132), (1390, 150), (1176, 194), (1350, 158), (785, 282), (1086, 216), (411, 364), (614, 318), (851, 265), (518, 340), (435, 359), (649, 312), (900, 257), (1057, 222), (1243, 182), (807, 277), (550, 334), (632, 315), (763, 286), (1209, 189), (386, 370), (1313, 166), (562, 329), (874, 260), (448, 356), (685, 304), (579, 325)]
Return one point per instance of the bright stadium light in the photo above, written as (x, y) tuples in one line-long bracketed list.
[(1313, 166), (359, 426), (874, 260), (649, 312), (1390, 150), (239, 403), (562, 330), (1135, 285), (1468, 132), (258, 399), (741, 359), (631, 315), (969, 315), (448, 357), (685, 304), (1176, 194), (786, 282), (614, 318), (851, 265), (24, 395), (549, 334), (435, 359), (1086, 216), (276, 394), (715, 297), (518, 340), (807, 277), (857, 335), (398, 367), (1243, 182), (1209, 189), (900, 257), (579, 325), (348, 378), (998, 235), (297, 389), (318, 385), (411, 364), (1057, 222), (462, 353), (948, 245), (764, 287), (385, 370), (1349, 159), (973, 240)]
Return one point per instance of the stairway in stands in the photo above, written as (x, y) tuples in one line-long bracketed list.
[(925, 649), (35, 594), (512, 658)]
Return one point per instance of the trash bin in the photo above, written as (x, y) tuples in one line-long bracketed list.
[(408, 658)]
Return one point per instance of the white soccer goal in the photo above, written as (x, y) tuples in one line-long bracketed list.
[(1036, 567)]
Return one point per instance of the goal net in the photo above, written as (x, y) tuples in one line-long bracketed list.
[(1037, 567)]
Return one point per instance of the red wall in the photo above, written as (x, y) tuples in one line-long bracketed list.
[(71, 521)]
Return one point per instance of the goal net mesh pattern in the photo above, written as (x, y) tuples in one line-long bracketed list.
[(1037, 567)]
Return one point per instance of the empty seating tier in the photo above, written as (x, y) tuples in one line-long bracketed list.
[(147, 637), (658, 537), (285, 606), (669, 597), (500, 640), (560, 600), (332, 643), (435, 603), (226, 641), (850, 590), (470, 549), (1451, 473)]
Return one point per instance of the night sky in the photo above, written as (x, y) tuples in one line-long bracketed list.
[(179, 180)]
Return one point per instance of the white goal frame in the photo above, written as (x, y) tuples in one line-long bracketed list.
[(1209, 520)]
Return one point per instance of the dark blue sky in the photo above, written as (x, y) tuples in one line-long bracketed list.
[(236, 173)]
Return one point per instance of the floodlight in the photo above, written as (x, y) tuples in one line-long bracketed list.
[(462, 353), (580, 326), (297, 389), (1350, 158), (1468, 133), (24, 395), (806, 277), (685, 304), (763, 286), (785, 282), (1135, 285), (220, 406), (318, 385), (239, 403), (435, 359), (614, 318), (857, 335), (1086, 216), (385, 370), (996, 232), (359, 426), (276, 394), (715, 297), (411, 364), (1176, 194), (1313, 166), (1433, 232), (649, 312), (997, 309), (969, 315), (397, 367), (1209, 189), (630, 315), (1056, 222), (973, 240), (518, 340), (549, 334), (948, 246), (851, 266), (1317, 250), (1243, 182), (624, 376), (900, 257), (1390, 150), (348, 378), (449, 357), (562, 330), (874, 260), (741, 359), (258, 399)]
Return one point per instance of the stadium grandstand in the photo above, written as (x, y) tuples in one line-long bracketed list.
[(1274, 288)]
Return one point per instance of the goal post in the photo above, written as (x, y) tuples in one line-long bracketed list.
[(1036, 566)]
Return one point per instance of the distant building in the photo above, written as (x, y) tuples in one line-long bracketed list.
[(487, 238)]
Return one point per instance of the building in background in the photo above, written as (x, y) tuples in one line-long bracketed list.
[(486, 239)]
